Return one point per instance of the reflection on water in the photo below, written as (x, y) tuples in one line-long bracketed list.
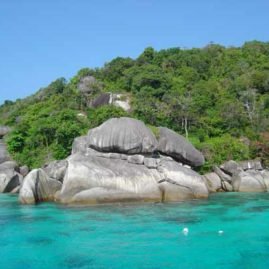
[(137, 236)]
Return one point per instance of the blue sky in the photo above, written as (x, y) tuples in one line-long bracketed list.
[(41, 40)]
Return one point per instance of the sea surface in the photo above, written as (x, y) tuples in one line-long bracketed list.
[(137, 236)]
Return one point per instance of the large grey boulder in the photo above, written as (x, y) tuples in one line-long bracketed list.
[(231, 168), (37, 186), (101, 100), (4, 130), (87, 84), (223, 176), (4, 155), (9, 165), (213, 182), (9, 180), (122, 135), (178, 147), (56, 169), (24, 170), (180, 183), (92, 179), (249, 181)]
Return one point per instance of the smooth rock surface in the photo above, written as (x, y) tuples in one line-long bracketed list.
[(37, 186), (180, 183), (249, 181), (80, 144), (94, 176), (9, 179), (213, 182), (178, 147), (9, 165), (24, 170), (231, 168), (222, 175), (122, 135), (56, 169)]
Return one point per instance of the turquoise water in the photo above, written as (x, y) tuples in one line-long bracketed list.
[(144, 236)]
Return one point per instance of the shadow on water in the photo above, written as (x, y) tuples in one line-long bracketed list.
[(78, 261), (37, 241)]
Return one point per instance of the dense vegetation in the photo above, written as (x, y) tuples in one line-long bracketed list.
[(217, 97)]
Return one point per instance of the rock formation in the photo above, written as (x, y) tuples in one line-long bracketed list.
[(123, 161), (119, 161), (245, 176)]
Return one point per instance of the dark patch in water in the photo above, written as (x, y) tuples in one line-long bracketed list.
[(182, 219), (64, 234), (40, 241), (78, 262), (237, 218), (87, 229), (257, 209), (33, 218)]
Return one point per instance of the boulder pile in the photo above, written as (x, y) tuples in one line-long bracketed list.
[(123, 161)]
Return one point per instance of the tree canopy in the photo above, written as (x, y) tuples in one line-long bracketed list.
[(218, 97)]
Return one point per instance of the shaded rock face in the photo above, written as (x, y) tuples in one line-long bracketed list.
[(87, 84), (101, 100), (4, 155), (37, 186), (176, 146), (123, 135), (24, 170), (4, 130), (9, 176)]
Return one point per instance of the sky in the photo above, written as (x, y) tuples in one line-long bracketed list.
[(42, 40)]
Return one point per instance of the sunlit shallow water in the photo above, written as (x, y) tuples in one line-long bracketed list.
[(144, 236)]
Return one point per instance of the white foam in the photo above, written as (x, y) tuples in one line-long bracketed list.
[(185, 231)]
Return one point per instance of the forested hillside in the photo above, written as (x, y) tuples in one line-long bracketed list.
[(217, 97)]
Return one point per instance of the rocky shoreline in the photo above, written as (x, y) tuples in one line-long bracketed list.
[(123, 161)]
